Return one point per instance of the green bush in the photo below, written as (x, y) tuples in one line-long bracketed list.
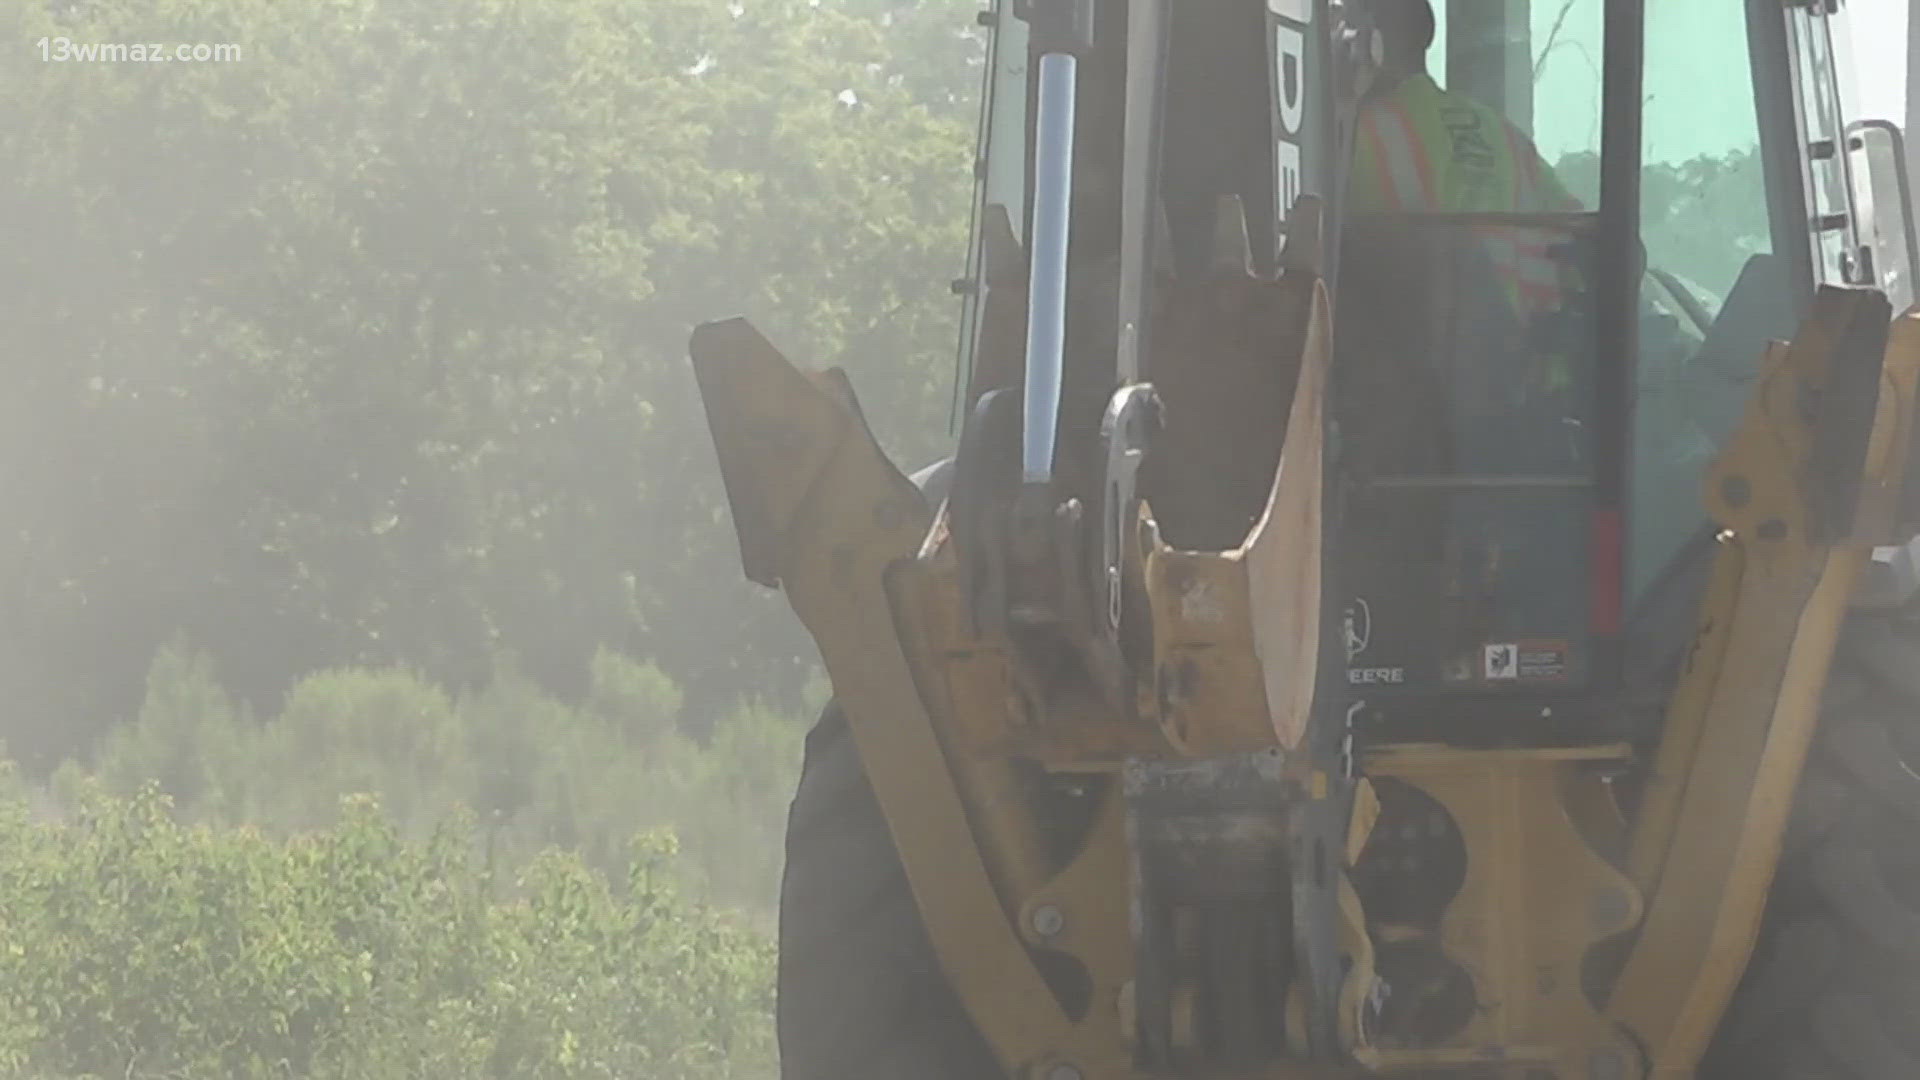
[(534, 771), (132, 945)]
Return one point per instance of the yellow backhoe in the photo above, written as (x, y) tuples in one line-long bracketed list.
[(1312, 663)]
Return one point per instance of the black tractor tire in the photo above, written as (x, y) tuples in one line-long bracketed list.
[(1832, 991), (861, 995)]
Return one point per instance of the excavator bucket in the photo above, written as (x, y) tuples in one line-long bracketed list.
[(1234, 634), (947, 709)]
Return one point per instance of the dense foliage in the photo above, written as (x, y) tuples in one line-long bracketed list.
[(1701, 219), (535, 772), (355, 369), (133, 947), (369, 348)]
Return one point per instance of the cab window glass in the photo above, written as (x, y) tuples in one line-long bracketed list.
[(1703, 197), (1538, 63), (1465, 421), (1705, 226)]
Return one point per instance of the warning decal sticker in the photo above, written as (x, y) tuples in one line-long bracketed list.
[(1541, 661), (1525, 661), (1502, 662)]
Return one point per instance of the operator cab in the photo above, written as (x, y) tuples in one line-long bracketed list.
[(1521, 476), (1481, 548), (1513, 489)]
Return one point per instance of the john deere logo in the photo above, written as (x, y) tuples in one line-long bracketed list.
[(1359, 628)]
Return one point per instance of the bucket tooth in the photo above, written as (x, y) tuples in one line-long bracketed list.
[(777, 431)]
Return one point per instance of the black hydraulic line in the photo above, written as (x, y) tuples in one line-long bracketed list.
[(1617, 294), (1139, 179), (1780, 146)]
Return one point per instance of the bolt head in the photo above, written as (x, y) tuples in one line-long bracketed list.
[(1048, 920)]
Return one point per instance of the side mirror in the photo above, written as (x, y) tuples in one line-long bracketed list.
[(1883, 201)]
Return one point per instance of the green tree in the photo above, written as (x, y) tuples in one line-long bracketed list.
[(133, 946), (369, 347)]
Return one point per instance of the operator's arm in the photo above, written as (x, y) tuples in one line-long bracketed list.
[(1540, 189)]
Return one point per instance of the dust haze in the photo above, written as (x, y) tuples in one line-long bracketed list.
[(350, 452)]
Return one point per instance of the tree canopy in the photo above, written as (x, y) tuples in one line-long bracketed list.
[(368, 347)]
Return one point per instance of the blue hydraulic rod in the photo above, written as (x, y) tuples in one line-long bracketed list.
[(1047, 283)]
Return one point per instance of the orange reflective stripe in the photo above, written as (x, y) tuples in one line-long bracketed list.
[(1423, 165), (1404, 169), (1523, 259), (1370, 128), (1400, 158)]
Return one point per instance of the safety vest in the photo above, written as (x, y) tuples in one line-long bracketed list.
[(1420, 149)]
